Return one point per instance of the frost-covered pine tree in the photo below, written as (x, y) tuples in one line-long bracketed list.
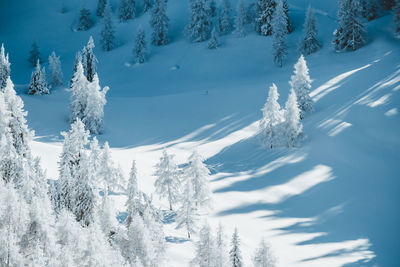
[(221, 250), (240, 19), (272, 117), (396, 18), (205, 248), (101, 4), (56, 74), (38, 84), (300, 81), (213, 42), (84, 22), (263, 256), (159, 22), (79, 93), (235, 253), (94, 111), (146, 5), (350, 34), (107, 34), (199, 27), (265, 11), (89, 60), (4, 68), (279, 32), (225, 17), (140, 49), (126, 10), (34, 54), (292, 127), (167, 183), (133, 205), (110, 176), (309, 42)]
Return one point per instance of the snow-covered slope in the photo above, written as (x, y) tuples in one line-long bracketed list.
[(331, 202)]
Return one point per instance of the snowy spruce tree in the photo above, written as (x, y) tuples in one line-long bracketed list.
[(235, 253), (159, 22), (301, 83), (126, 10), (225, 17), (5, 70), (272, 117), (199, 27), (263, 256), (240, 19), (221, 250), (265, 11), (79, 93), (38, 84), (107, 34), (84, 22), (167, 183), (133, 204), (101, 4), (140, 49), (110, 176), (213, 42), (34, 54), (56, 74), (309, 42), (89, 60), (396, 19), (350, 34), (292, 127), (279, 32), (205, 248)]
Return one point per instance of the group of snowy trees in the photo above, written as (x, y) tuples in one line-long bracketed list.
[(283, 127)]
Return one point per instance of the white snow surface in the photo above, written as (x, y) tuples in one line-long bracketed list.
[(331, 202)]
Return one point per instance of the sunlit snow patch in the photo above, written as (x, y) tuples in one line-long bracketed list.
[(391, 112), (339, 128)]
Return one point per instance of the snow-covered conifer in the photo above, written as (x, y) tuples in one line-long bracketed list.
[(240, 20), (126, 10), (309, 42), (279, 31), (94, 110), (94, 163), (107, 33), (263, 256), (205, 248), (110, 175), (199, 27), (272, 117), (167, 183), (38, 84), (146, 5), (235, 253), (221, 250), (133, 205), (89, 60), (213, 42), (34, 54), (350, 34), (159, 22), (140, 49), (101, 4), (301, 83), (56, 74), (292, 127), (396, 18), (79, 93), (4, 68), (265, 11), (226, 18), (84, 22)]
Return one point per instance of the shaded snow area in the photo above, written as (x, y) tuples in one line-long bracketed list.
[(331, 201)]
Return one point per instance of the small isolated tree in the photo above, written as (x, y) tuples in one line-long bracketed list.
[(34, 54), (265, 11), (139, 51), (38, 83), (205, 248), (235, 253), (159, 22), (221, 250), (107, 33), (263, 256), (272, 117), (101, 4), (199, 27), (240, 20), (167, 183), (146, 5), (213, 42), (4, 68), (225, 17), (56, 74), (84, 22), (309, 42), (350, 34), (126, 10), (89, 60), (279, 30), (292, 127), (301, 83), (396, 18)]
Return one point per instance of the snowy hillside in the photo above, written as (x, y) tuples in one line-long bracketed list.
[(332, 201)]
